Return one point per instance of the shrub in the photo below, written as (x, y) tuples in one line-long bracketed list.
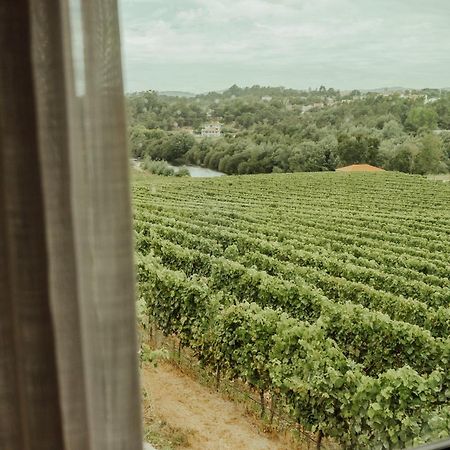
[(157, 167)]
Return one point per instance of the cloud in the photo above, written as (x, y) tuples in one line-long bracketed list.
[(384, 36)]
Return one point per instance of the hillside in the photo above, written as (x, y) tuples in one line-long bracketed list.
[(273, 129), (330, 291)]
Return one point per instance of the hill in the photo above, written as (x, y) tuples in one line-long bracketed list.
[(274, 129)]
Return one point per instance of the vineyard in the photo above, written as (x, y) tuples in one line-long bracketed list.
[(329, 292)]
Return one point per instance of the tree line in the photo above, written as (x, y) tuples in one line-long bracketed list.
[(284, 130)]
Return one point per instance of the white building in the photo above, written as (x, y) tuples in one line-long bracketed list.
[(429, 100), (212, 130)]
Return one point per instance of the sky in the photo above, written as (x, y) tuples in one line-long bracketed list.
[(205, 45)]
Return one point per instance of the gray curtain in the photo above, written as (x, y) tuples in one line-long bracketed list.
[(68, 355)]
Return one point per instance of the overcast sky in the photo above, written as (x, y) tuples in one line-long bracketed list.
[(204, 45)]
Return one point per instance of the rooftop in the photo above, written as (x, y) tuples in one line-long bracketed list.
[(360, 168)]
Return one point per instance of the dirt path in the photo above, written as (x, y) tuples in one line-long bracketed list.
[(211, 422)]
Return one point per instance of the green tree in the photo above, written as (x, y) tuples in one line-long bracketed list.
[(178, 145), (392, 129), (404, 157), (442, 107), (358, 148), (146, 142), (421, 118), (431, 155), (138, 140), (446, 149)]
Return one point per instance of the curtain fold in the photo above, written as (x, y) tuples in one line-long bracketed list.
[(68, 354)]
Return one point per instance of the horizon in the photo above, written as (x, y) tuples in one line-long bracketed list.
[(393, 89)]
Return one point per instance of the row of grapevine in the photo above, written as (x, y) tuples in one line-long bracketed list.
[(330, 292), (429, 261), (437, 321), (273, 352), (369, 255), (433, 237), (434, 295), (368, 337)]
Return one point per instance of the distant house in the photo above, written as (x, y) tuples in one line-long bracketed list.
[(429, 100), (212, 130), (415, 97), (266, 98), (360, 168)]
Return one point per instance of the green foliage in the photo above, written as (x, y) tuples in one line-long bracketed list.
[(358, 148), (265, 129), (163, 168), (424, 154), (330, 291), (183, 172), (178, 145), (430, 157), (147, 355), (273, 351), (421, 119), (157, 167), (404, 156)]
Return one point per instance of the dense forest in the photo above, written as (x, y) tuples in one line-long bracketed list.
[(267, 129)]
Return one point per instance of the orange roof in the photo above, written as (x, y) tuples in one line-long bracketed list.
[(360, 168)]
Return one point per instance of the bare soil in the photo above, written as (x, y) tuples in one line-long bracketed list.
[(208, 421)]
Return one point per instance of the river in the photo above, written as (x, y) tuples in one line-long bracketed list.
[(197, 171)]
